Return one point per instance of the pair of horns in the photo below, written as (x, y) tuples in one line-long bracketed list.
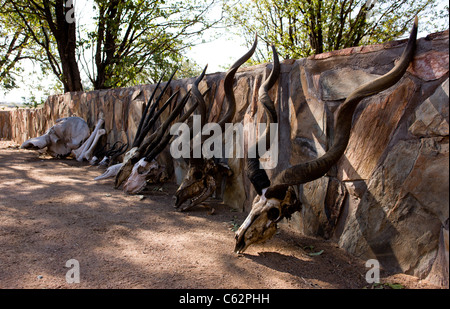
[(308, 171)]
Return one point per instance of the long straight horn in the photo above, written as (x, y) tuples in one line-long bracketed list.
[(312, 170), (163, 129), (167, 137), (144, 114), (257, 176), (162, 109), (147, 124)]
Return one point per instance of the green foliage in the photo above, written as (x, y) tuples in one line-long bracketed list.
[(135, 41), (385, 286), (52, 38), (13, 44), (299, 28), (32, 101), (131, 41)]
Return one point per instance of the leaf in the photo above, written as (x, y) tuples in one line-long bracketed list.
[(395, 286), (233, 225), (315, 253), (387, 285)]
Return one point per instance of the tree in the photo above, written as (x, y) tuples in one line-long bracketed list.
[(13, 42), (45, 23), (301, 28), (135, 41)]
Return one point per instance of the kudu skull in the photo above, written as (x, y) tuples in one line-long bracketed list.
[(276, 200), (201, 180)]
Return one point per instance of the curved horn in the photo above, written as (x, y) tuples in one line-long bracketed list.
[(119, 151), (257, 176), (278, 200), (228, 85), (314, 169), (197, 94), (199, 182)]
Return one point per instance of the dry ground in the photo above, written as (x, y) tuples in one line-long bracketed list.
[(52, 211)]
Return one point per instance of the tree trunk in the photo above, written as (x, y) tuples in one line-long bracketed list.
[(66, 40), (66, 48), (64, 31)]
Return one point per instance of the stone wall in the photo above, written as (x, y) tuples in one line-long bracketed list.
[(387, 198)]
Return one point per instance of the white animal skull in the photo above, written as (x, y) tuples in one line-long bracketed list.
[(137, 180), (66, 135)]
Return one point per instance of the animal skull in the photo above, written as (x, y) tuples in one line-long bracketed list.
[(137, 180), (261, 222), (198, 184), (276, 199), (66, 135), (200, 181)]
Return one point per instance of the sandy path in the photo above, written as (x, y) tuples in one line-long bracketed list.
[(52, 211)]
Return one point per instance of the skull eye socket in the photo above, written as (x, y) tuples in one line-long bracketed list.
[(273, 213), (198, 175)]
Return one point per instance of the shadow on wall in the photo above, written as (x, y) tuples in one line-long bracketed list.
[(388, 196)]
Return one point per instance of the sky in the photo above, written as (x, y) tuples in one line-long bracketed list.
[(221, 51), (216, 53)]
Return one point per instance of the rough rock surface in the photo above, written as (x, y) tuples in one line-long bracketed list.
[(387, 198)]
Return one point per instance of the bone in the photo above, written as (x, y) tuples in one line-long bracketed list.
[(78, 153), (93, 161), (88, 154), (110, 172), (104, 161)]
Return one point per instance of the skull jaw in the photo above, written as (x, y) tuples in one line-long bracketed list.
[(131, 157), (105, 161), (123, 174), (137, 180), (135, 184), (59, 150), (197, 192), (242, 244), (254, 234), (261, 223), (258, 226)]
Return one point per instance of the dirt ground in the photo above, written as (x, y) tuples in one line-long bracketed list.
[(52, 211)]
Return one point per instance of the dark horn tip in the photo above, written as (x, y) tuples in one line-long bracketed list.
[(200, 77)]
